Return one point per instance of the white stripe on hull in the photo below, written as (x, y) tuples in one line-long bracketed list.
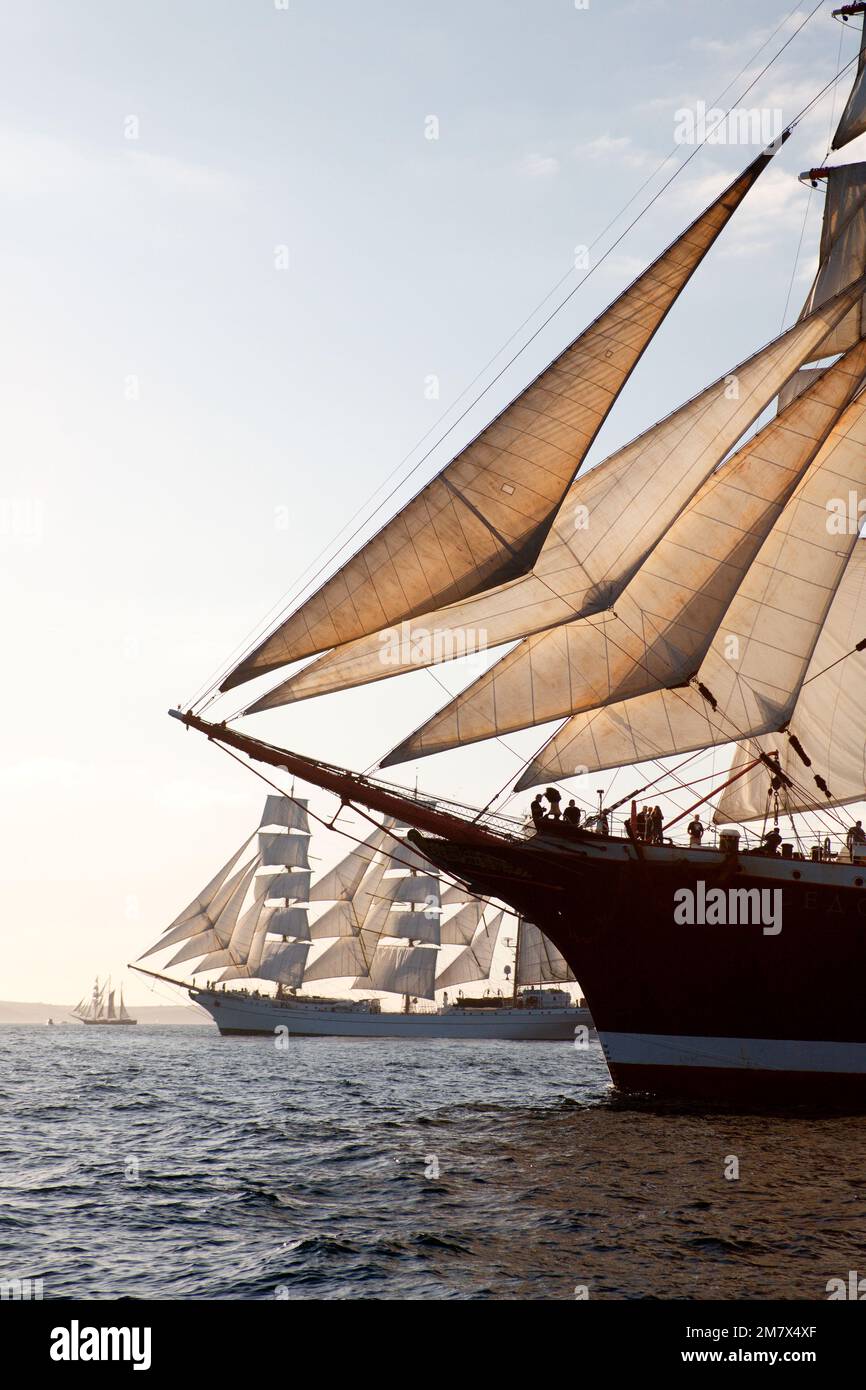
[(744, 1054), (257, 1016)]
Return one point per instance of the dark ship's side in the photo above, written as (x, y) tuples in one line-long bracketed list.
[(746, 1012)]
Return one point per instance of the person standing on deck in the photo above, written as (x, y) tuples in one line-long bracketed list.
[(696, 832)]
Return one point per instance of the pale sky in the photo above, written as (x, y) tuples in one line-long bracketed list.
[(170, 394)]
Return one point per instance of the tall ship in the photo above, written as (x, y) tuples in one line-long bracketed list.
[(382, 922), (99, 1008), (701, 588)]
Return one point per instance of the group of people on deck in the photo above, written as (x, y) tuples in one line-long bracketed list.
[(544, 817), (649, 825)]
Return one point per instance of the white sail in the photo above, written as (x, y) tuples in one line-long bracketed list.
[(219, 934), (664, 619), (474, 963), (402, 970), (414, 888), (288, 851), (454, 893), (459, 929), (611, 519), (827, 722), (286, 811), (339, 920), (482, 519), (248, 934), (290, 921), (283, 962), (122, 1012), (292, 885), (538, 960), (338, 961), (758, 658), (204, 909), (343, 881), (413, 926)]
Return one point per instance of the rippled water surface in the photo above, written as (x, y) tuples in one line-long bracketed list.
[(172, 1163)]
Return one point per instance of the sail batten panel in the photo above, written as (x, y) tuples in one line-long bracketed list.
[(482, 519)]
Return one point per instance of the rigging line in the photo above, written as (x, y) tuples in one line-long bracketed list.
[(796, 260), (853, 652), (231, 662)]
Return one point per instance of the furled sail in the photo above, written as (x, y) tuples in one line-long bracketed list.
[(827, 723), (538, 961), (664, 619), (474, 963), (853, 119), (288, 851), (287, 811), (483, 518), (749, 679), (611, 519)]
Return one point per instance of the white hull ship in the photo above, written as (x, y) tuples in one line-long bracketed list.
[(536, 1014), (98, 1010), (384, 922)]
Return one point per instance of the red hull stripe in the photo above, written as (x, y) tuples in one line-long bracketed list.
[(662, 1050)]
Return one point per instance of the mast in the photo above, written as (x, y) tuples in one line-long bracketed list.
[(516, 960)]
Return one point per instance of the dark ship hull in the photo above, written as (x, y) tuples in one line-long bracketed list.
[(756, 1012)]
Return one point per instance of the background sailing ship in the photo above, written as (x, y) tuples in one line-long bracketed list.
[(699, 588), (388, 926), (99, 1007)]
